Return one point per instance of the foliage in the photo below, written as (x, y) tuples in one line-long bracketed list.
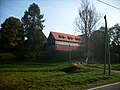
[(7, 58), (65, 55), (114, 42), (115, 57), (33, 25), (114, 33), (97, 46), (50, 76), (11, 34)]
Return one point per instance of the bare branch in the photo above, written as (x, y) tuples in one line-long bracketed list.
[(87, 20), (88, 17)]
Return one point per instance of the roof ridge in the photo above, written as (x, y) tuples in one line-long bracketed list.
[(64, 34)]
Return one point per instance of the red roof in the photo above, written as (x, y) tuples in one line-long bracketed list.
[(65, 37)]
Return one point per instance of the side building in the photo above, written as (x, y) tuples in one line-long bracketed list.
[(64, 42)]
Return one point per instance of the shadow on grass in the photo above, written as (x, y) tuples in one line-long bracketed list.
[(75, 69)]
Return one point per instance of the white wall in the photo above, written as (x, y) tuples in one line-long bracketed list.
[(67, 43)]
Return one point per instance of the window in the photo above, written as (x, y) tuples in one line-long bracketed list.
[(72, 38), (59, 36), (63, 36), (77, 39), (68, 37)]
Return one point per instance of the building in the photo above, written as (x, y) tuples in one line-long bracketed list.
[(63, 42)]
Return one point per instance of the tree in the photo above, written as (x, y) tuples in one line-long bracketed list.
[(33, 25), (97, 46), (114, 33), (85, 23), (11, 33)]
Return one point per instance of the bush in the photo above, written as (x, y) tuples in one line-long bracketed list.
[(65, 55), (6, 57), (58, 55), (115, 58)]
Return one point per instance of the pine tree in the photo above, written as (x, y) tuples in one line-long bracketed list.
[(32, 23)]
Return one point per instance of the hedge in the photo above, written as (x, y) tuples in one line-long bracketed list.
[(7, 57)]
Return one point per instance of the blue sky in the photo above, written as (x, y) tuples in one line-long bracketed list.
[(59, 15)]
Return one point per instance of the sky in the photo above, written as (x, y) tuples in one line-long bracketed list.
[(59, 15)]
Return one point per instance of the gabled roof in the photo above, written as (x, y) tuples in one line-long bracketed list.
[(65, 37)]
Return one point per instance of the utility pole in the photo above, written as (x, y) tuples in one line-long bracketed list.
[(109, 56), (105, 45), (107, 48)]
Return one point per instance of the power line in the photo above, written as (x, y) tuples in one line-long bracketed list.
[(109, 4)]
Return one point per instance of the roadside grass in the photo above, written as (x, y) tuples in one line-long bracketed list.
[(52, 76)]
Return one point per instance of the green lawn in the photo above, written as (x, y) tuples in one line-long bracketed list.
[(52, 76)]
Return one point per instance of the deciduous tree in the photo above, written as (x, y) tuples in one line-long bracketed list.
[(11, 34), (114, 33), (85, 23)]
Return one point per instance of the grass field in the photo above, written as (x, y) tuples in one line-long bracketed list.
[(52, 76)]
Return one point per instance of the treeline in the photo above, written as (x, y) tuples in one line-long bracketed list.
[(23, 38), (97, 44)]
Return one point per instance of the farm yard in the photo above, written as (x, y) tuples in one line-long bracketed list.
[(50, 75), (59, 44)]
